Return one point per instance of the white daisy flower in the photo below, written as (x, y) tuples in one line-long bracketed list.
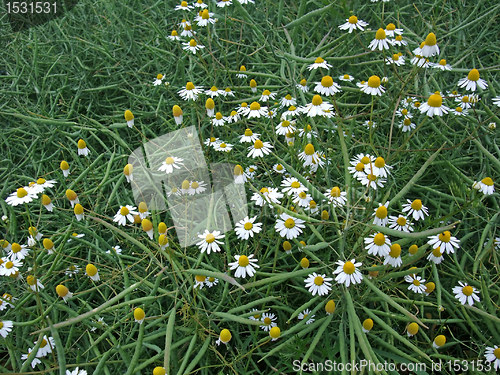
[(373, 86), (396, 59), (34, 362), (242, 74), (380, 42), (9, 267), (20, 196), (192, 46), (170, 163), (309, 156), (205, 18), (82, 148), (445, 241), (233, 117), (486, 186), (251, 170), (430, 48), (288, 226), (244, 265), (213, 92), (318, 108), (327, 86), (292, 186), (378, 244), (17, 252), (336, 197), (266, 95), (353, 23), (191, 92), (492, 354), (398, 41), (256, 110), (278, 168), (211, 281), (200, 4), (209, 241), (224, 3), (174, 35), (302, 86), (292, 111), (259, 148), (76, 371), (380, 214), (306, 315), (346, 78), (270, 195), (416, 209), (371, 180), (436, 256), (188, 32), (183, 6), (223, 147), (391, 30), (285, 127), (466, 294), (246, 228), (40, 185), (441, 65), (249, 136), (319, 63), (5, 327), (287, 101), (124, 213), (224, 337), (318, 284), (472, 81), (48, 343), (416, 283), (269, 321), (406, 125), (199, 281), (302, 199), (394, 256), (348, 272), (158, 80), (400, 223), (434, 106)]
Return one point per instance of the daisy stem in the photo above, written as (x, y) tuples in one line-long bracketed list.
[(168, 336)]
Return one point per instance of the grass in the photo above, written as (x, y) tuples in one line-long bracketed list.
[(73, 78)]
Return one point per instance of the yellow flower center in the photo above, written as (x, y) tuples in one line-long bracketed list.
[(407, 122), (285, 123), (435, 100), (266, 93), (487, 181), (243, 69), (81, 144), (295, 184), (159, 76), (188, 27), (330, 307), (399, 38), (225, 335), (210, 104), (440, 340), (368, 324), (31, 280), (91, 270), (335, 192), (205, 15), (371, 177), (496, 352), (318, 280), (21, 193), (380, 162), (267, 321), (413, 328), (416, 104), (210, 238), (360, 167), (238, 170), (127, 170), (381, 212), (317, 100), (218, 116), (174, 33), (445, 236), (43, 344), (349, 268), (346, 76), (258, 144), (264, 191), (380, 35), (292, 108), (395, 250), (62, 291), (326, 81), (473, 75), (124, 211), (289, 223), (416, 205), (309, 149), (211, 279), (365, 160), (302, 195), (190, 85), (177, 111), (437, 252), (16, 247), (279, 167), (442, 62), (139, 314), (195, 184), (78, 209), (185, 184), (9, 265), (253, 83), (147, 225), (248, 226), (374, 81), (212, 139), (304, 263), (243, 261), (429, 287), (395, 57), (200, 278), (353, 20), (303, 82), (379, 239), (319, 60), (467, 290), (254, 106), (192, 43), (430, 40), (391, 27), (275, 332), (416, 282)]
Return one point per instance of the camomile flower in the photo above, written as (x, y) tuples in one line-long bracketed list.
[(73, 198), (192, 46), (65, 166), (346, 78), (34, 283), (202, 5), (269, 321), (211, 282), (430, 47), (223, 147), (256, 110), (302, 199), (378, 168), (348, 272), (170, 163), (224, 337), (416, 209), (318, 108), (244, 265), (310, 156), (253, 85), (467, 101), (336, 197), (380, 41), (398, 41), (485, 186), (5, 327), (358, 170), (198, 187), (244, 2), (218, 120), (251, 170), (466, 294), (48, 343), (239, 176), (353, 23), (288, 226), (445, 241), (412, 329), (441, 65), (285, 127), (306, 315), (213, 92), (17, 252), (292, 186), (10, 267), (191, 92), (319, 63), (396, 59), (249, 136), (82, 148), (302, 85), (115, 250), (406, 125), (391, 30), (436, 256), (233, 117), (270, 195), (199, 281), (158, 80), (327, 86), (212, 141), (20, 196), (416, 283), (394, 256), (434, 106), (400, 223), (259, 149), (371, 180), (40, 185), (76, 371), (76, 235), (139, 315), (205, 18), (124, 213), (492, 354), (224, 3), (271, 113), (287, 101), (92, 272), (378, 245), (188, 31), (242, 74), (373, 86), (246, 228), (274, 333), (5, 245), (209, 241), (143, 210), (78, 210), (227, 92), (367, 325), (127, 171), (472, 81), (318, 284), (174, 35), (183, 6), (278, 168), (380, 214), (266, 95)]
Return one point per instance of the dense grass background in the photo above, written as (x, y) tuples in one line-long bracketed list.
[(74, 77)]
